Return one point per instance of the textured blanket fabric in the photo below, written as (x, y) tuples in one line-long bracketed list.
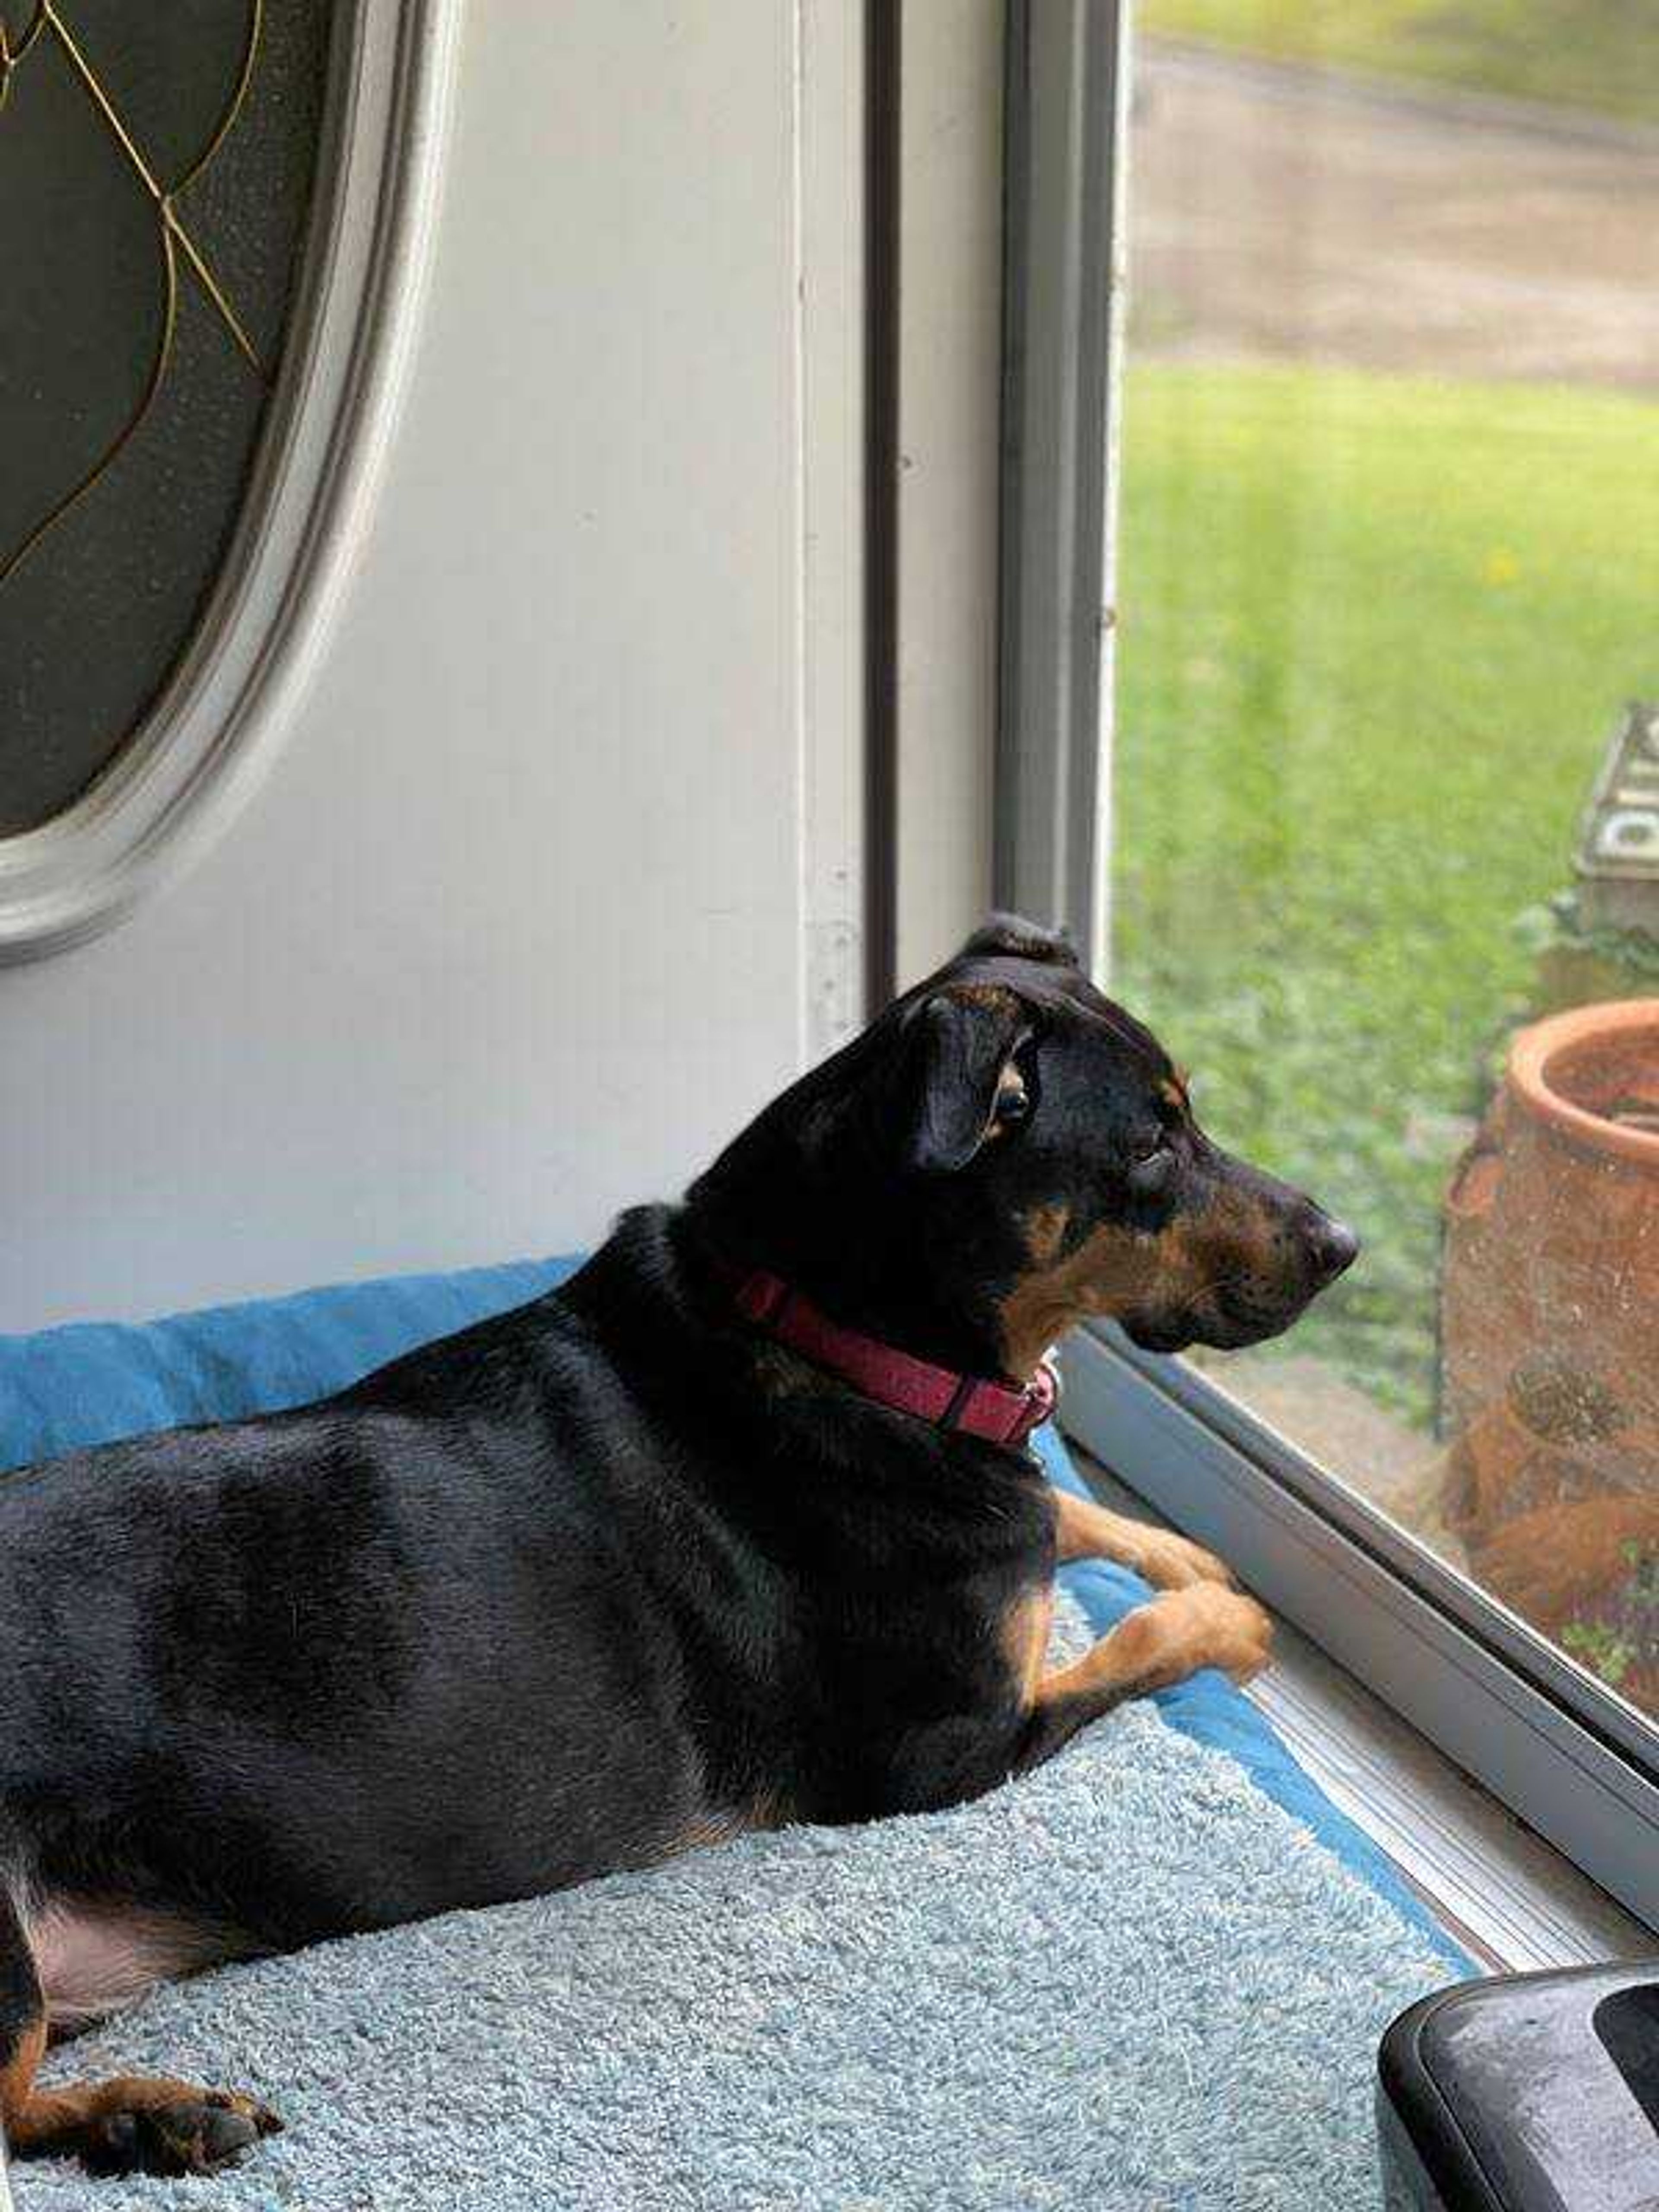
[(1130, 1980), (1150, 1976)]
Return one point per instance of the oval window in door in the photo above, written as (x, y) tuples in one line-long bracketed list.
[(157, 168), (214, 244)]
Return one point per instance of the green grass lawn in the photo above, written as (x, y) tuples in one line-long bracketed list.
[(1374, 635), (1599, 54)]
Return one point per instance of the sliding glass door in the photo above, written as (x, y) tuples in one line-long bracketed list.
[(1383, 843)]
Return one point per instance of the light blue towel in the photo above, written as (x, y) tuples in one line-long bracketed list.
[(1128, 1983)]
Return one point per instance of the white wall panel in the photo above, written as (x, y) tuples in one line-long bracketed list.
[(525, 919)]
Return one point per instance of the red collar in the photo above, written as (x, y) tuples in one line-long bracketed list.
[(1004, 1412)]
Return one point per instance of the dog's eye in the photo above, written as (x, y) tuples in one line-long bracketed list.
[(1151, 1158), (1017, 1095), (1013, 1104)]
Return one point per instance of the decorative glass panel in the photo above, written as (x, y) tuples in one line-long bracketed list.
[(156, 172)]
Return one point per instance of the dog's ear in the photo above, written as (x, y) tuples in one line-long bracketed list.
[(963, 1082), (1013, 936)]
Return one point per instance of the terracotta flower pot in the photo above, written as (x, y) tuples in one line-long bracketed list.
[(1549, 1341), (1550, 1316)]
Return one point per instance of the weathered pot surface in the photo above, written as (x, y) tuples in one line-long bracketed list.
[(1549, 1340), (1551, 1309)]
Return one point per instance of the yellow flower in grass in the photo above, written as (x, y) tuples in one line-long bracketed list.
[(1501, 566)]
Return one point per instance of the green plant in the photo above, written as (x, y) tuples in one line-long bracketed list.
[(1626, 1632), (1601, 1650), (1557, 925), (1642, 1591)]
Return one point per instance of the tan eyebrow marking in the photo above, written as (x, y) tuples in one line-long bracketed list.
[(1173, 1090), (1045, 1232)]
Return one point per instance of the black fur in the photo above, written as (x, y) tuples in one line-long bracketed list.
[(595, 1579)]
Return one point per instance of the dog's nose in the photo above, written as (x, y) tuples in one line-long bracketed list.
[(1334, 1247)]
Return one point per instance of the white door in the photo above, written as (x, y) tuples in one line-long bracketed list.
[(551, 874)]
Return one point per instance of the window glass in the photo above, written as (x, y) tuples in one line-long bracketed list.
[(1387, 755)]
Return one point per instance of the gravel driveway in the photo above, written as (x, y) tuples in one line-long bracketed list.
[(1285, 214)]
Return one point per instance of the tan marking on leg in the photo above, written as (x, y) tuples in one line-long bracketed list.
[(1026, 1638), (1086, 1530), (185, 2131), (1164, 1642), (766, 1810), (17, 2074)]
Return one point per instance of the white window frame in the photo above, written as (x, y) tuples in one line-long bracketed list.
[(1573, 1760)]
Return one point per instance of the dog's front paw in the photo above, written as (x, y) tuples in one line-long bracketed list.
[(1171, 1637), (1172, 1562), (1205, 1625), (1245, 1635)]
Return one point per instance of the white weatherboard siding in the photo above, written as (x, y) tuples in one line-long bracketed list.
[(556, 876)]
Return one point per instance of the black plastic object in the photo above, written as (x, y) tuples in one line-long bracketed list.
[(1531, 2093)]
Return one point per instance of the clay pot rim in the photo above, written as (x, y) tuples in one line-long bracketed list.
[(1533, 1052)]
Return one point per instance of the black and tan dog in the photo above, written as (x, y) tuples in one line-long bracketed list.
[(618, 1573)]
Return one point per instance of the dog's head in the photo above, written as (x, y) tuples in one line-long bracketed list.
[(1004, 1151)]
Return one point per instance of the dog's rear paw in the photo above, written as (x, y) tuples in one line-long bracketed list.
[(198, 2132)]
